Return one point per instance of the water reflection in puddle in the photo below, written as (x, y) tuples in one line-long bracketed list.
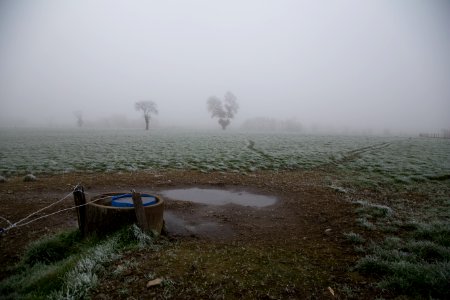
[(219, 197)]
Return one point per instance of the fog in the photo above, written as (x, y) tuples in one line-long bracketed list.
[(340, 65)]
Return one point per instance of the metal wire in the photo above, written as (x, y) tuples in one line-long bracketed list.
[(20, 222)]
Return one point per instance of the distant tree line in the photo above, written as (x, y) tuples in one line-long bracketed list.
[(271, 124), (445, 134)]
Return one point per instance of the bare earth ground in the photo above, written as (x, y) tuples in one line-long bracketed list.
[(303, 231)]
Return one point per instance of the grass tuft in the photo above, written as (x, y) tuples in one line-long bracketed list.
[(142, 238), (80, 279), (392, 242), (363, 222), (372, 264), (392, 255), (375, 210), (438, 232), (354, 238), (35, 281), (52, 249), (429, 251)]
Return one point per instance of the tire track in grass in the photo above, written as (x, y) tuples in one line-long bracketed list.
[(352, 155), (251, 147), (272, 162), (347, 157)]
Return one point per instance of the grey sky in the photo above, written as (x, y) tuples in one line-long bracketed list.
[(356, 64)]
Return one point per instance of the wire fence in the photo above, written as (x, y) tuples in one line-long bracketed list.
[(22, 222)]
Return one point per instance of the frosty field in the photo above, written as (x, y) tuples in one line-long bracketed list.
[(367, 217), (62, 151)]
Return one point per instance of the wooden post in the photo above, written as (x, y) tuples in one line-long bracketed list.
[(80, 201), (140, 213)]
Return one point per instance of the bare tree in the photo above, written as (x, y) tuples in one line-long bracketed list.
[(224, 111), (148, 108), (79, 115)]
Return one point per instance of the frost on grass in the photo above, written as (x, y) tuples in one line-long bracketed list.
[(65, 267), (363, 222), (373, 209), (417, 266), (338, 189), (83, 277), (402, 161), (429, 280), (195, 150), (29, 177), (143, 239), (354, 238)]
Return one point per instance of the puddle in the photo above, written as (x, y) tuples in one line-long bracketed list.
[(178, 226), (219, 197)]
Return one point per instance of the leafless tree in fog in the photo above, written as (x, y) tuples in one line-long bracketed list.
[(224, 111), (148, 108), (79, 115)]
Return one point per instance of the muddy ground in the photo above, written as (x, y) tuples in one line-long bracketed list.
[(309, 218)]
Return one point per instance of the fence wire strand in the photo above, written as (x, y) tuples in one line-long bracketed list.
[(20, 222), (60, 211)]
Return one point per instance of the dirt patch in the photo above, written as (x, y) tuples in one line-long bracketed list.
[(309, 217)]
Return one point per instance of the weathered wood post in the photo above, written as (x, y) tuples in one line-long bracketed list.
[(80, 203), (140, 213)]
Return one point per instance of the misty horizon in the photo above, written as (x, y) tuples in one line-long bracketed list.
[(345, 67)]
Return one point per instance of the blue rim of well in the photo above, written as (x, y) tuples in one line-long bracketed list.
[(146, 200)]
